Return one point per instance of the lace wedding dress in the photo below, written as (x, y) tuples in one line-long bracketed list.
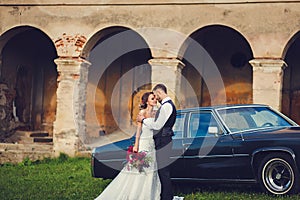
[(133, 185)]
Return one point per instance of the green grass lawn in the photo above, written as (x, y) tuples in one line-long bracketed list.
[(70, 178), (58, 179)]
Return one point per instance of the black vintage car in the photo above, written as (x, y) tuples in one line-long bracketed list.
[(236, 143)]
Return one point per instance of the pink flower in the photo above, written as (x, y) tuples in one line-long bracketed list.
[(139, 160), (130, 149)]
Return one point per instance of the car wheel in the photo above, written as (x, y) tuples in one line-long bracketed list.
[(278, 175)]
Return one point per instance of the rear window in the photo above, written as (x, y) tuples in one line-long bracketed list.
[(247, 118)]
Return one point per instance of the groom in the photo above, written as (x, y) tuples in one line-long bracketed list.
[(162, 126)]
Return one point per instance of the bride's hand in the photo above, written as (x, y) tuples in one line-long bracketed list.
[(135, 149)]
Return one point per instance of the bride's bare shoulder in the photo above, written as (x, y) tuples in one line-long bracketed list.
[(142, 112)]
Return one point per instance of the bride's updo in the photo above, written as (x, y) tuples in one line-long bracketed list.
[(145, 97)]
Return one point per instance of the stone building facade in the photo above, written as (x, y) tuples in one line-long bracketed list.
[(76, 69)]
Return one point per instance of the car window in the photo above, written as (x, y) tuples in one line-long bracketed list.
[(178, 127), (247, 118), (264, 117), (199, 123), (235, 121)]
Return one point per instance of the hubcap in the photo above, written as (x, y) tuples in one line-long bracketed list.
[(278, 176)]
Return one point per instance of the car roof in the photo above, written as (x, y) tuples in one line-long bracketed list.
[(215, 107)]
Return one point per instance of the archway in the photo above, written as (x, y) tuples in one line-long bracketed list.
[(29, 73), (119, 65), (231, 52), (291, 84)]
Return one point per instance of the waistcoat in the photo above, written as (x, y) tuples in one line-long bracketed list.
[(167, 128)]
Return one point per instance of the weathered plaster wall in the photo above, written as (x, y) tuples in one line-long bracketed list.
[(267, 26)]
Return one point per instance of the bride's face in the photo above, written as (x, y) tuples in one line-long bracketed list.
[(152, 100)]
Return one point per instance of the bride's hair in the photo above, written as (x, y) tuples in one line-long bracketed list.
[(145, 97)]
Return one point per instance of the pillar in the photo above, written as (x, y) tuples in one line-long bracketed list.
[(69, 126), (267, 81), (168, 72)]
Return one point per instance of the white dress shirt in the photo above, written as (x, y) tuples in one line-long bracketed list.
[(164, 114)]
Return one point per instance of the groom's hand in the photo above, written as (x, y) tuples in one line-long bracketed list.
[(140, 118)]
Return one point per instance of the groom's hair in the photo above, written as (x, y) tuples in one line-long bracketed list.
[(160, 86)]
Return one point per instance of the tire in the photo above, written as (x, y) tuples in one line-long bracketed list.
[(278, 175)]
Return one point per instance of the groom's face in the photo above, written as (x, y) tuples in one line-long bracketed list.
[(157, 95)]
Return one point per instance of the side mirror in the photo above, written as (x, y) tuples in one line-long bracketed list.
[(214, 130)]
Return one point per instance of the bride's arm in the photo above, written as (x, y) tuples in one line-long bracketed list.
[(138, 133), (137, 137)]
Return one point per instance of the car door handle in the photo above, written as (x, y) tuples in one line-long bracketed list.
[(186, 145)]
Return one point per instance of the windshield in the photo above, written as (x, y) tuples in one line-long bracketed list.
[(247, 118)]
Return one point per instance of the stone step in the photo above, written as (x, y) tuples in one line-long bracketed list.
[(43, 139), (4, 147), (35, 145), (31, 140), (29, 137), (32, 133), (39, 134), (24, 140), (15, 156), (22, 133)]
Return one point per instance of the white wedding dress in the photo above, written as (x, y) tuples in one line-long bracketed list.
[(133, 185)]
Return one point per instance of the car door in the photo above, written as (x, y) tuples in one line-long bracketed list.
[(206, 155), (179, 128)]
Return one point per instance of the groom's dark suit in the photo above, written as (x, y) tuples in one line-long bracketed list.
[(163, 146)]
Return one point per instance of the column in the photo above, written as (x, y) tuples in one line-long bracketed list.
[(69, 126), (168, 72), (267, 81)]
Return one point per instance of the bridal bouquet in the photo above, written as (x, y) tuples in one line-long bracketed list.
[(139, 160)]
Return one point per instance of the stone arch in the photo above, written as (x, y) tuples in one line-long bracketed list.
[(119, 70), (28, 69), (231, 52), (291, 84)]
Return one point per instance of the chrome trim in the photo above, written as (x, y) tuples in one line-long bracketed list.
[(241, 155), (176, 157), (261, 128), (285, 149), (218, 156), (216, 180), (210, 156), (270, 149), (112, 160), (241, 106)]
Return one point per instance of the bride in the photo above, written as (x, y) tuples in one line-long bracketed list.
[(130, 184)]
